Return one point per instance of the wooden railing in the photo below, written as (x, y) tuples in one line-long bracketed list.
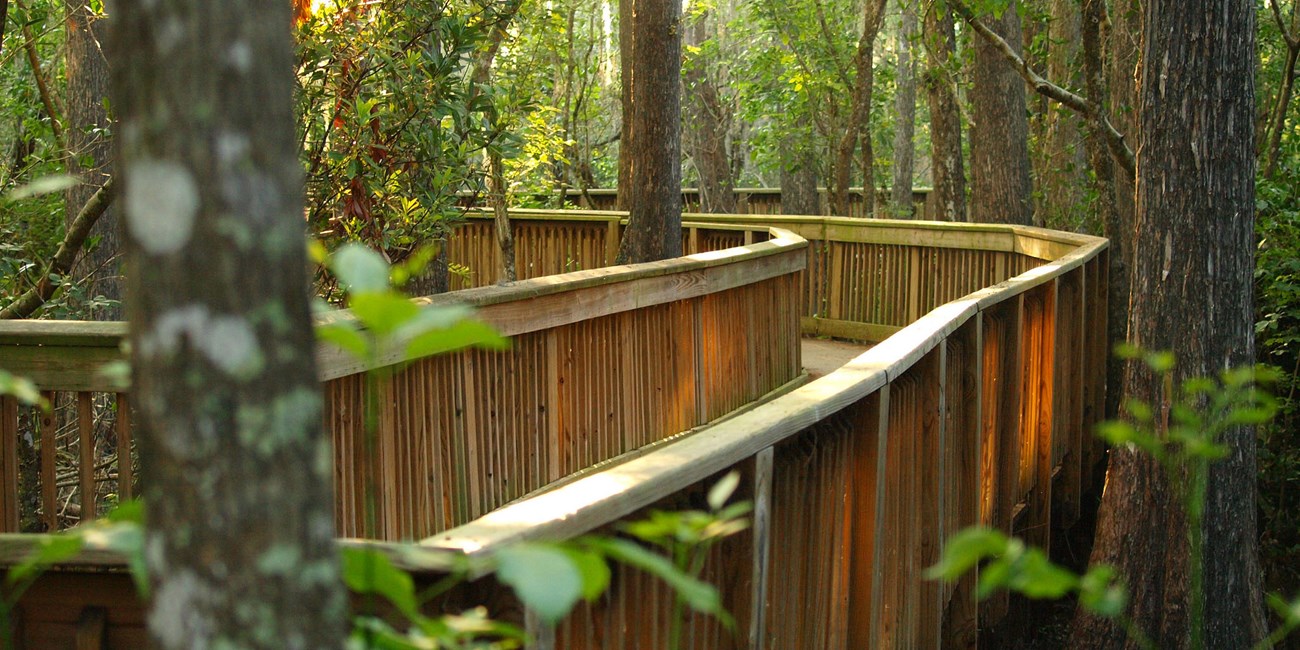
[(973, 408), (975, 412), (603, 362), (749, 200)]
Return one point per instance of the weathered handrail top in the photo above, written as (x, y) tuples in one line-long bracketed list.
[(494, 303), (623, 489)]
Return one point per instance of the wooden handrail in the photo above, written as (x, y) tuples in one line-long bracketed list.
[(972, 409)]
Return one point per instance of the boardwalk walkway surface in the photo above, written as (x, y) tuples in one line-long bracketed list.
[(821, 357), (971, 410)]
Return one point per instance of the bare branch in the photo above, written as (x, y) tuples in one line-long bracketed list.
[(95, 207), (1114, 139)]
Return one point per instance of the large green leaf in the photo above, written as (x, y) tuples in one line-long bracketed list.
[(545, 578)]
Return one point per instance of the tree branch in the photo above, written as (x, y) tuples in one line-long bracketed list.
[(42, 86), (95, 207), (1292, 40), (1114, 139)]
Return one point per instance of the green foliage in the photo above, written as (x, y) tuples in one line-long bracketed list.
[(1277, 291), (388, 120), (1184, 438)]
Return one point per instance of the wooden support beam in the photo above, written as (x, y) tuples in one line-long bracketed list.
[(762, 532), (49, 488), (9, 514), (87, 456)]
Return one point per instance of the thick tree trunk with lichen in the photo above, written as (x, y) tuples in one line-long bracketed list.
[(239, 541), (1191, 295), (948, 198), (653, 145), (1001, 189), (86, 72)]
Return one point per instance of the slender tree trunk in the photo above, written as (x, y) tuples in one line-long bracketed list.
[(240, 533), (1192, 295), (1291, 36), (626, 57), (86, 122), (496, 179), (1106, 184), (859, 124), (948, 198), (905, 106), (799, 170), (1001, 189), (1061, 168), (654, 229), (709, 122)]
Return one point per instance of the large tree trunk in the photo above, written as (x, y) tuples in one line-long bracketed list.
[(859, 124), (1191, 295), (709, 122), (87, 121), (948, 198), (905, 105), (240, 532), (1061, 164), (654, 145), (1001, 189)]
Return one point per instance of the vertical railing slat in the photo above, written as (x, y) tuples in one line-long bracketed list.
[(86, 449), (125, 467), (49, 486), (9, 519)]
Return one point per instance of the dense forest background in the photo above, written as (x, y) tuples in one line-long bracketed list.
[(405, 106)]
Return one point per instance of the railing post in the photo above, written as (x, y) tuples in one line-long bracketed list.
[(86, 449), (762, 545), (125, 469), (49, 488), (9, 463), (867, 513)]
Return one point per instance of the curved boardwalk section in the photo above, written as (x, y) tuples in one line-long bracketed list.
[(629, 388)]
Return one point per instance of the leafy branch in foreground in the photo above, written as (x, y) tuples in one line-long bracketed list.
[(1183, 437)]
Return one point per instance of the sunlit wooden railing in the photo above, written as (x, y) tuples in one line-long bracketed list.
[(973, 408), (603, 362)]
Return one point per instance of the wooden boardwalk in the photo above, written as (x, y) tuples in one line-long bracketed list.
[(973, 409)]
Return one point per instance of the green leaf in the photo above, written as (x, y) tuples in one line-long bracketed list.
[(594, 571), (1037, 577), (723, 489), (467, 333), (123, 534), (368, 571), (345, 336), (51, 550), (382, 312), (359, 269), (19, 387), (544, 578), (700, 596), (44, 185), (965, 550)]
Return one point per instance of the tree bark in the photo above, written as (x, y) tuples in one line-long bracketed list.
[(1192, 295), (709, 122), (1106, 183), (1291, 36), (626, 57), (1001, 188), (240, 533), (86, 122), (905, 107), (799, 169), (1061, 168), (859, 124), (654, 229), (948, 198)]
